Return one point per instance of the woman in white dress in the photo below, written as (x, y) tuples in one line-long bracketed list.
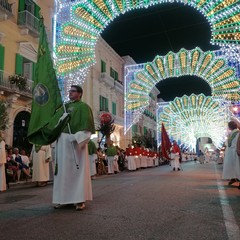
[(40, 157)]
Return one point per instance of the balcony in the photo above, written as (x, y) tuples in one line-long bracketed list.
[(5, 10), (105, 78), (28, 23), (119, 86), (8, 88)]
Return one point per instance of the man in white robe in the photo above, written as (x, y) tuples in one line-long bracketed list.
[(231, 162), (72, 181), (40, 157)]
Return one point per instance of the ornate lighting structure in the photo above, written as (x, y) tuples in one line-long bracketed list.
[(81, 22), (222, 77), (191, 117)]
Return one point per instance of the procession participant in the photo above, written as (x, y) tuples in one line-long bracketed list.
[(175, 156), (92, 151), (136, 153), (231, 162), (143, 158), (130, 158), (155, 159), (40, 157), (72, 182), (112, 157), (3, 160)]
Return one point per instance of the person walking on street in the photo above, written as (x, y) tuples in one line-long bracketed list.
[(231, 162), (175, 156), (72, 181), (201, 157), (40, 157)]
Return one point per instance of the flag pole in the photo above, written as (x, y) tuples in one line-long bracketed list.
[(70, 132)]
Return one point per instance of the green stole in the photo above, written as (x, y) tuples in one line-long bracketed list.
[(232, 136)]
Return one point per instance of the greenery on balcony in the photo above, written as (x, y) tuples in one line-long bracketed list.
[(19, 81)]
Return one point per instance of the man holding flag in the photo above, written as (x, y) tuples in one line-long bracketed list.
[(70, 125)]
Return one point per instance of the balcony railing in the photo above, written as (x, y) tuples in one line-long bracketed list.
[(6, 85), (5, 9), (119, 86), (104, 77), (29, 21)]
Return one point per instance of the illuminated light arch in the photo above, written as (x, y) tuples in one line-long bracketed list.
[(141, 79), (85, 20), (190, 117), (221, 78)]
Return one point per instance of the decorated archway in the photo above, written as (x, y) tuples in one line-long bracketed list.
[(191, 117), (80, 24), (222, 77)]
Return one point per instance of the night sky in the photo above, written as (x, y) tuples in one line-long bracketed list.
[(145, 33)]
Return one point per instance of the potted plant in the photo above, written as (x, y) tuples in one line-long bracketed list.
[(19, 80)]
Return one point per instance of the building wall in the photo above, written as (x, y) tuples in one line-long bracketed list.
[(16, 40), (95, 85)]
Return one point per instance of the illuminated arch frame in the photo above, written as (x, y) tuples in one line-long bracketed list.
[(83, 22), (179, 119), (223, 79)]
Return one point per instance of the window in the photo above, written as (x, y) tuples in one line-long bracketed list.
[(114, 108), (113, 74), (103, 66), (24, 67), (103, 103)]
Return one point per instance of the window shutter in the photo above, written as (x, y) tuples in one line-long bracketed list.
[(2, 50), (36, 11), (19, 64), (107, 109), (21, 5)]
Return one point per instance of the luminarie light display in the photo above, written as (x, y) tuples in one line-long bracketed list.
[(82, 21), (191, 117), (211, 66)]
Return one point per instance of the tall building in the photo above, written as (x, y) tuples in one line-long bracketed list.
[(19, 36)]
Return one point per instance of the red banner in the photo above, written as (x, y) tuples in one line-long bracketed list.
[(166, 144)]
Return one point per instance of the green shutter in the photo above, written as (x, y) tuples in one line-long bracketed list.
[(107, 104), (144, 130), (2, 50), (21, 5), (103, 66), (116, 75), (36, 10), (114, 108), (100, 103), (19, 64)]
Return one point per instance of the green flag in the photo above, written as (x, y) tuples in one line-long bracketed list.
[(46, 96)]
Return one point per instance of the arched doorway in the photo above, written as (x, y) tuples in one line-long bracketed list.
[(20, 130)]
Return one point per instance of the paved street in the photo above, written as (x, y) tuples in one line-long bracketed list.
[(154, 203)]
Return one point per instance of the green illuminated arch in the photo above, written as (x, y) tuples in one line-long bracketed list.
[(78, 36), (191, 117), (214, 70)]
